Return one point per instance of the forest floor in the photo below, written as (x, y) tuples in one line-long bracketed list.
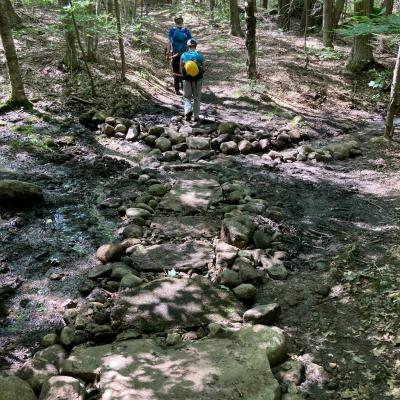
[(339, 219)]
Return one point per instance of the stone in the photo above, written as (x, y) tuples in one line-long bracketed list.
[(339, 151), (42, 366), (145, 207), (171, 155), (264, 144), (109, 252), (129, 334), (170, 303), (198, 143), (255, 207), (156, 130), (248, 274), (99, 295), (136, 212), (130, 281), (290, 372), (121, 128), (245, 147), (292, 396), (278, 271), (62, 388), (67, 336), (49, 340), (173, 339), (237, 230), (245, 291), (181, 147), (194, 226), (229, 147), (176, 137), (110, 120), (264, 314), (269, 339), (98, 118), (107, 129), (163, 144), (181, 257), (216, 142), (230, 278), (227, 128), (132, 134), (18, 193), (262, 240), (194, 192), (14, 388), (274, 266), (225, 251), (213, 368), (150, 140), (99, 271), (86, 118), (132, 231), (119, 270), (158, 189)]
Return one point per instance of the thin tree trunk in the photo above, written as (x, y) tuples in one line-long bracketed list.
[(265, 4), (212, 9), (14, 19), (235, 19), (283, 16), (120, 40), (394, 99), (18, 96), (251, 39), (339, 6), (388, 5), (361, 57), (78, 38), (70, 58), (306, 14), (327, 23)]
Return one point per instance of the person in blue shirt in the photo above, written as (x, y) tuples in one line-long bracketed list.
[(192, 70), (178, 37)]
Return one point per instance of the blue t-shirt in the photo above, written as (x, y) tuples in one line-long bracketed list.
[(193, 55), (178, 38), (197, 57)]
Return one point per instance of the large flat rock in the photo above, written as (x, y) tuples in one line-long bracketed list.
[(193, 194), (181, 257), (195, 226), (174, 303), (212, 368)]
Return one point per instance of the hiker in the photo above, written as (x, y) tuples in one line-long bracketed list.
[(178, 37), (192, 69)]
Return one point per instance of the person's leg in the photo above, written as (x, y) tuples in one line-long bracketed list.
[(187, 97), (176, 69), (197, 86)]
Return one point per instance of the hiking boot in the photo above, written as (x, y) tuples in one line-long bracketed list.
[(188, 116)]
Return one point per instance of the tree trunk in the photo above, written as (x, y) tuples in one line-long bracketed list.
[(327, 28), (120, 40), (388, 5), (212, 9), (283, 16), (394, 99), (361, 57), (251, 39), (265, 4), (14, 19), (18, 97), (70, 58), (235, 19), (78, 38), (338, 9)]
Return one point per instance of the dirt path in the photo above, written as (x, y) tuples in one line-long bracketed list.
[(339, 219)]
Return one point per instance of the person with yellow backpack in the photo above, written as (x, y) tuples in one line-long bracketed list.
[(192, 70)]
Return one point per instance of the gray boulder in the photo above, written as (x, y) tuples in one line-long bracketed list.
[(229, 147), (163, 144), (263, 314), (237, 230), (14, 388), (18, 193), (245, 291), (198, 143), (62, 388)]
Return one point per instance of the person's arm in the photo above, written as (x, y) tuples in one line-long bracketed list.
[(188, 34), (171, 37)]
